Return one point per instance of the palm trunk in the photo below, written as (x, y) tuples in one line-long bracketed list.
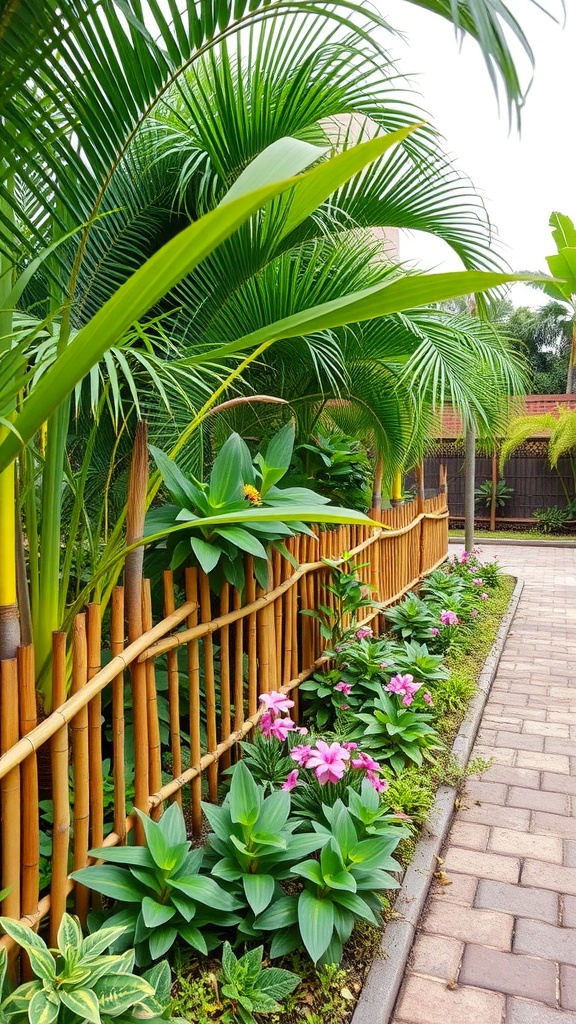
[(572, 362)]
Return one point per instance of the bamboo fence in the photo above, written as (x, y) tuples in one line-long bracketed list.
[(180, 696)]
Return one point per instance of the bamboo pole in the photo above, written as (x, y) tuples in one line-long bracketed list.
[(494, 490), (30, 817), (94, 643), (252, 645), (238, 663), (263, 645), (173, 687), (193, 657), (225, 719), (210, 688), (60, 793), (81, 765), (152, 719), (118, 714), (10, 790)]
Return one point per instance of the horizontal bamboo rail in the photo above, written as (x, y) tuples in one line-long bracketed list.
[(257, 641)]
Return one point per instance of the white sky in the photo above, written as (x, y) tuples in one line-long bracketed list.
[(523, 179)]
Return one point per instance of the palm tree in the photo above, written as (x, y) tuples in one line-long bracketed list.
[(562, 443), (72, 106)]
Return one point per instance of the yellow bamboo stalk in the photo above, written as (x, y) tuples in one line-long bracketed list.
[(60, 793), (225, 719), (263, 647), (94, 644), (252, 644), (118, 715), (29, 771), (210, 688), (194, 691), (173, 688), (238, 663), (10, 790), (81, 763), (154, 744)]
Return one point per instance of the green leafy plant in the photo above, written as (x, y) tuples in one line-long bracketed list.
[(416, 659), (338, 467), (412, 618), (349, 593), (253, 846), (364, 665), (76, 983), (483, 493), (397, 734), (159, 895), (322, 916), (552, 520), (250, 988)]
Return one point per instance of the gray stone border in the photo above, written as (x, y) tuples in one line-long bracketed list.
[(380, 991), (519, 543)]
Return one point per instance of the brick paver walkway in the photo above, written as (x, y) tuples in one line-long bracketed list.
[(498, 945)]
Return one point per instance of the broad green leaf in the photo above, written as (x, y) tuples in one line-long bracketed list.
[(173, 825), (232, 467), (82, 1001), (277, 983), (43, 1008), (259, 891), (24, 936), (69, 934), (285, 156), (160, 980), (118, 992), (563, 231), (159, 849), (155, 914), (316, 923), (161, 940), (194, 937), (42, 963), (282, 914), (183, 492), (112, 881), (207, 554), (244, 798), (355, 904), (138, 855), (273, 813), (242, 539), (309, 869), (205, 890)]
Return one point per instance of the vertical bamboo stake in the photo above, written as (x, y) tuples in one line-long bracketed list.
[(30, 820), (93, 622), (494, 491), (118, 717), (80, 760), (225, 721), (173, 690), (252, 646), (288, 639), (60, 792), (154, 745), (238, 664), (194, 690), (10, 790), (211, 731), (294, 618)]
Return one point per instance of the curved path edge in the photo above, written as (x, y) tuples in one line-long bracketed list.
[(380, 990)]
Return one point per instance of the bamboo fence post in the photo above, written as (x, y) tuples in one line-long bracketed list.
[(154, 744), (80, 761), (10, 790), (30, 818), (264, 647), (194, 690), (238, 664), (494, 491), (210, 688), (60, 792), (173, 688), (118, 715), (225, 720), (94, 643), (252, 645)]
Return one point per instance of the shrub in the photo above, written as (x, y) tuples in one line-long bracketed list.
[(249, 988), (397, 734), (412, 618), (483, 493), (552, 520)]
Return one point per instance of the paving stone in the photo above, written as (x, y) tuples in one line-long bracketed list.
[(536, 937), (523, 844), (515, 776), (469, 834), (519, 741), (557, 729), (537, 800), (483, 865), (570, 853), (437, 956), (460, 889), (518, 900), (569, 911), (523, 1011), (553, 745), (483, 926), (553, 783), (554, 824), (491, 792), (515, 975), (549, 876), (488, 814), (567, 987), (543, 762), (431, 1002)]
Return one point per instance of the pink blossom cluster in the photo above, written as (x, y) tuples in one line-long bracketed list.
[(405, 687), (449, 618), (478, 582), (330, 761), (363, 632), (271, 723), (464, 557)]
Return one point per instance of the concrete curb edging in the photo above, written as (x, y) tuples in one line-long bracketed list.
[(519, 543), (380, 991)]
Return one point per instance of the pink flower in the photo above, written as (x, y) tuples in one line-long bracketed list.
[(484, 596), (434, 631), (384, 664), (337, 649), (281, 727), (302, 731), (474, 613), (478, 582), (291, 781), (344, 707), (276, 702), (464, 557), (407, 700), (398, 683), (301, 754), (350, 746), (328, 761), (266, 724), (343, 687), (363, 632), (365, 762), (379, 784), (448, 618), (428, 699)]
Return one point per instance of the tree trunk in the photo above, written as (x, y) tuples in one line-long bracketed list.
[(469, 478)]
